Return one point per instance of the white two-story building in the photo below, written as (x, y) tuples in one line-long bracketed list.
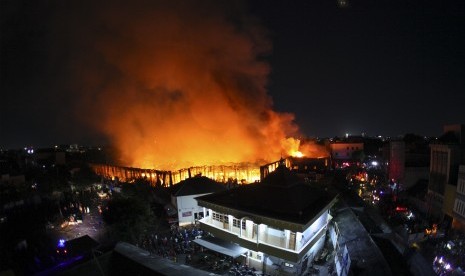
[(183, 194), (280, 223)]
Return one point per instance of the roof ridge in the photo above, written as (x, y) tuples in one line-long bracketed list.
[(182, 184)]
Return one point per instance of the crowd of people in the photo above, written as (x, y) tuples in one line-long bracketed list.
[(178, 241), (173, 243), (74, 205)]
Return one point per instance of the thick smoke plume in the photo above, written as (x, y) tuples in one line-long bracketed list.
[(175, 84)]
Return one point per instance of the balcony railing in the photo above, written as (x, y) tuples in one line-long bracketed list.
[(277, 248)]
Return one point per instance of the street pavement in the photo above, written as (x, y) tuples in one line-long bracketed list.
[(92, 225)]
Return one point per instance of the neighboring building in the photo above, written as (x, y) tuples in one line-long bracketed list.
[(446, 155), (413, 175), (123, 259), (394, 154), (343, 151), (279, 222), (417, 160), (458, 213), (307, 164), (183, 194), (308, 168), (407, 162)]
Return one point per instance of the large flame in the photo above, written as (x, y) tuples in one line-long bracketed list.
[(181, 84), (297, 148)]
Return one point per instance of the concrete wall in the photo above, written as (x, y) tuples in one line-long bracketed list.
[(187, 205)]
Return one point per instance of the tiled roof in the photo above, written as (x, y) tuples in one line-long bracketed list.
[(196, 185), (281, 195)]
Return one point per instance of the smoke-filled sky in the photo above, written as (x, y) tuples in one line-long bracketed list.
[(156, 73)]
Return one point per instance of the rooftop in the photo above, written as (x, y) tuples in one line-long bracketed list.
[(281, 195), (196, 185)]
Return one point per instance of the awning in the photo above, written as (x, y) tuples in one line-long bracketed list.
[(221, 246)]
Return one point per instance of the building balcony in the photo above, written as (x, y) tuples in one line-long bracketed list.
[(281, 247)]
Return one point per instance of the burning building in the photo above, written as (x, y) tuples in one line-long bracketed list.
[(240, 173), (179, 85), (244, 173), (175, 85)]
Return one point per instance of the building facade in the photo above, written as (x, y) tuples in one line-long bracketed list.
[(280, 222), (459, 204), (183, 197), (343, 152), (394, 153), (446, 156)]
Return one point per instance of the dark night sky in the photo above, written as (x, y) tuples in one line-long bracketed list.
[(380, 67)]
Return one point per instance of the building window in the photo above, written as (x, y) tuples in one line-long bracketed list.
[(236, 223), (256, 255), (220, 217)]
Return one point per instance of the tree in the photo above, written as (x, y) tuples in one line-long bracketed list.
[(127, 218), (83, 176), (140, 189)]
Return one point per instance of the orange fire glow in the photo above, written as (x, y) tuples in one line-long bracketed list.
[(185, 86), (296, 148)]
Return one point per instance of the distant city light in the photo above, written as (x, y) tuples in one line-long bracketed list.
[(342, 3)]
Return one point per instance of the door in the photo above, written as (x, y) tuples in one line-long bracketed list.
[(292, 241)]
